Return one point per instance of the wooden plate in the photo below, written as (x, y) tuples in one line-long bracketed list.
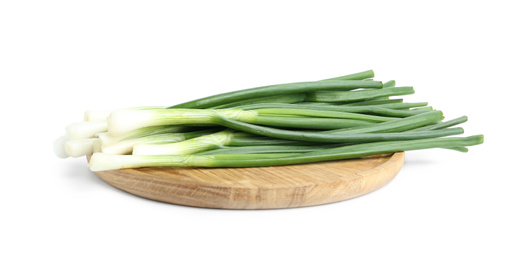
[(259, 188)]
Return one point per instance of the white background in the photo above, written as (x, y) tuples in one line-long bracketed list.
[(60, 58)]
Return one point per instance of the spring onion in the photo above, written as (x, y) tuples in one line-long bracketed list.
[(122, 122), (126, 146), (209, 142), (338, 118), (104, 162)]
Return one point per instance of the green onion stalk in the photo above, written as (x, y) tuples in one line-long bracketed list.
[(122, 122), (104, 162), (281, 89)]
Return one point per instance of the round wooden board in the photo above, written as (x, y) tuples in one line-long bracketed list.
[(259, 188)]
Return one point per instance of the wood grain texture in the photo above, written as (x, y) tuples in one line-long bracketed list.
[(259, 188)]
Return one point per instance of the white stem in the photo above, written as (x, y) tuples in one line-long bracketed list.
[(191, 146), (83, 130), (80, 147), (123, 147), (97, 146), (106, 162), (126, 146), (59, 147), (123, 121), (96, 115), (107, 139)]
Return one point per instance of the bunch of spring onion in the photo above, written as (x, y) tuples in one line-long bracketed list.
[(339, 118)]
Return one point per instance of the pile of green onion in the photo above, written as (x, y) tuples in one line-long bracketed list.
[(306, 122)]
